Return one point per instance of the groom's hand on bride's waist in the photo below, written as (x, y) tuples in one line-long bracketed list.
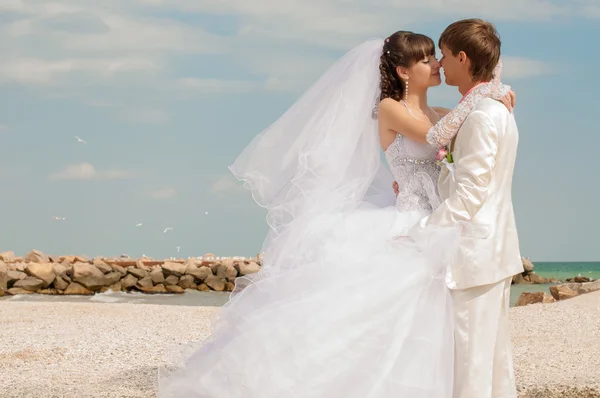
[(396, 188)]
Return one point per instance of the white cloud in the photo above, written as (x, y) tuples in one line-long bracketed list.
[(164, 193), (226, 184), (33, 71), (520, 68), (283, 44), (218, 85), (86, 171)]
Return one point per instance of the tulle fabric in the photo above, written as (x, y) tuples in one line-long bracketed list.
[(371, 318), (343, 306)]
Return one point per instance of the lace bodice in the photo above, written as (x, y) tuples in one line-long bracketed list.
[(415, 168)]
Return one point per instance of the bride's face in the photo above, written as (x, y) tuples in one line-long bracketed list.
[(425, 73)]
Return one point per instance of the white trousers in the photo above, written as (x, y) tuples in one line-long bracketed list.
[(483, 357)]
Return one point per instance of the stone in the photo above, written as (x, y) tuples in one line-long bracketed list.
[(226, 271), (119, 269), (7, 257), (36, 256), (48, 291), (112, 278), (520, 279), (186, 281), (527, 298), (215, 283), (589, 287), (89, 276), (214, 267), (548, 299), (245, 268), (144, 283), (527, 265), (192, 263), (102, 266), (171, 280), (203, 287), (75, 289), (60, 283), (29, 283), (44, 272), (158, 289), (581, 279), (137, 272), (17, 290), (60, 269), (562, 292), (200, 274), (140, 264), (228, 262), (174, 289), (229, 286), (157, 276), (117, 287), (14, 276), (536, 279), (3, 278), (129, 281), (175, 269)]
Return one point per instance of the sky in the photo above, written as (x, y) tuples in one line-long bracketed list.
[(166, 94)]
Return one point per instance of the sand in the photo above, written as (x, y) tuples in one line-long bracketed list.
[(66, 349)]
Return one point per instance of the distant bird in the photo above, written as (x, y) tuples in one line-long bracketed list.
[(138, 225), (177, 247), (206, 213), (80, 140), (59, 218), (167, 229)]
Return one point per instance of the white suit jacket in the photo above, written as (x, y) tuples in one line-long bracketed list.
[(476, 191)]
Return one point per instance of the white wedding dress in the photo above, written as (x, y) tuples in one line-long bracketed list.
[(371, 319), (345, 306)]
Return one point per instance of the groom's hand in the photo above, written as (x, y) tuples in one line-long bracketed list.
[(396, 188)]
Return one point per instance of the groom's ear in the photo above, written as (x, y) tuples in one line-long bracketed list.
[(462, 58)]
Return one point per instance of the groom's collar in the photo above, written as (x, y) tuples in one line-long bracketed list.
[(472, 88)]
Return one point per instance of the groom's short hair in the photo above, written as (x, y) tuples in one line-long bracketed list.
[(480, 40)]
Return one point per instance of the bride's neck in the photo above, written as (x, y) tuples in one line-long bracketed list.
[(417, 99)]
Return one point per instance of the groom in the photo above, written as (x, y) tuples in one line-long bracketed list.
[(476, 190)]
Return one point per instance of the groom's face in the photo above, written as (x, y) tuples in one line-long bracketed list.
[(452, 66)]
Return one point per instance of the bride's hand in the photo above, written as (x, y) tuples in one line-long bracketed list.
[(509, 100)]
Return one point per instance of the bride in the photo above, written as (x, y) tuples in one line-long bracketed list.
[(343, 306)]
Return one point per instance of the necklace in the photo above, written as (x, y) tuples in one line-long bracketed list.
[(409, 105)]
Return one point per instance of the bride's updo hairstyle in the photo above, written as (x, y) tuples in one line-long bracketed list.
[(401, 49)]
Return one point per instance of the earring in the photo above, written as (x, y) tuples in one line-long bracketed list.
[(406, 89)]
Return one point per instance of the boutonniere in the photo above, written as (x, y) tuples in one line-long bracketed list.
[(442, 154)]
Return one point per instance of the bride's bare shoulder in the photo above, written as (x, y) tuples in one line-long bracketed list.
[(389, 106)]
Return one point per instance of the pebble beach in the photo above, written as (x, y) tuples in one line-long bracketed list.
[(93, 349)]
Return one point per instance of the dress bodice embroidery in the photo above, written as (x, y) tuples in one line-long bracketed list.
[(415, 168)]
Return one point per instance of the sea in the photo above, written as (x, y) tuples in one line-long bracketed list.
[(557, 270)]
